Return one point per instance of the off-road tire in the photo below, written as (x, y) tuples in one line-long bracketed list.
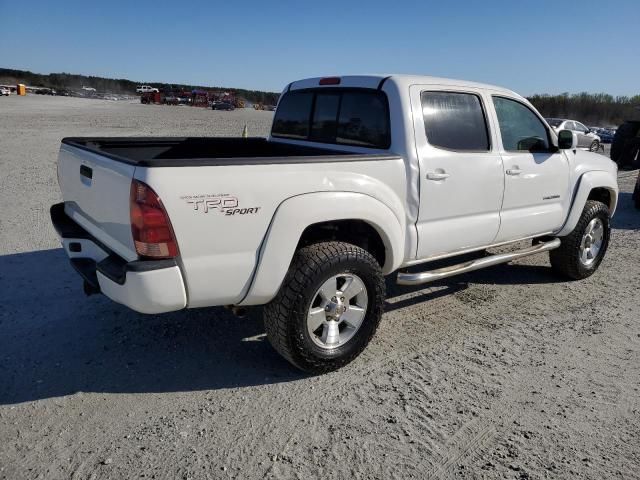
[(565, 260), (636, 194), (624, 133), (285, 317), (631, 156)]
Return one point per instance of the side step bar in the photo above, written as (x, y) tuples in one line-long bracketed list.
[(425, 277)]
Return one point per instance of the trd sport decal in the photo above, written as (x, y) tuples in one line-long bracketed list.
[(219, 203)]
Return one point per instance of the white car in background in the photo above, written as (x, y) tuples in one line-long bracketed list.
[(146, 89), (586, 138), (5, 91)]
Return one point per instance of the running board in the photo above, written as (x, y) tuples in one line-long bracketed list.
[(425, 277)]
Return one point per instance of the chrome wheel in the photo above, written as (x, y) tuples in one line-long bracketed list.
[(337, 310), (591, 243)]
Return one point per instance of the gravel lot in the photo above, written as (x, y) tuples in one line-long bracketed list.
[(503, 373)]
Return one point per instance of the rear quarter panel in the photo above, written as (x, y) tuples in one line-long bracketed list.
[(219, 250)]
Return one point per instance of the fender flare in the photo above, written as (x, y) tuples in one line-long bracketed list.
[(295, 214), (587, 182)]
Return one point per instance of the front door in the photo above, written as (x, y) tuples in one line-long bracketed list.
[(584, 140), (536, 185), (461, 175)]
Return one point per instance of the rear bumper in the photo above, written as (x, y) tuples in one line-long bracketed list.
[(146, 286)]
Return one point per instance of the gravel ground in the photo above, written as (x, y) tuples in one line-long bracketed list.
[(503, 373)]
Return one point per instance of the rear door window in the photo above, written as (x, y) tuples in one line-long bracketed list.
[(581, 128), (455, 121), (334, 115)]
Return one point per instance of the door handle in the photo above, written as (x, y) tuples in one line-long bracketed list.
[(86, 171), (437, 176), (514, 171)]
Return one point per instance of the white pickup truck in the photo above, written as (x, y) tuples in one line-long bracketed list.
[(361, 177), (146, 89)]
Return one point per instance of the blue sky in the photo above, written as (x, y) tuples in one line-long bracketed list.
[(529, 46)]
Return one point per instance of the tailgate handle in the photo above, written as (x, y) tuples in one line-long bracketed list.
[(86, 171)]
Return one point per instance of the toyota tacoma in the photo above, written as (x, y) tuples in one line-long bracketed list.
[(360, 178)]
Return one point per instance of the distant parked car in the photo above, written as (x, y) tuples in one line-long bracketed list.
[(171, 99), (4, 91), (146, 89), (606, 135), (586, 138), (174, 99), (222, 106)]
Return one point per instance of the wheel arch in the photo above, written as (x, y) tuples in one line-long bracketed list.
[(337, 216), (604, 195), (355, 231), (595, 185)]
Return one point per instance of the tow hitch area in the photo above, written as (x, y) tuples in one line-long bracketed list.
[(90, 289), (86, 267)]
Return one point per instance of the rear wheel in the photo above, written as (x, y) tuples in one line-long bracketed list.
[(328, 308), (582, 251)]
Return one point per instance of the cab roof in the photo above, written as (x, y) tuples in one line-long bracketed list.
[(402, 81)]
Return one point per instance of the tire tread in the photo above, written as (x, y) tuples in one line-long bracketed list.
[(564, 259), (308, 264)]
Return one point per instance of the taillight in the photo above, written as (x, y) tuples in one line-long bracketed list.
[(329, 81), (150, 225)]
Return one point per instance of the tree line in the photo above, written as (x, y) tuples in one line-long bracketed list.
[(599, 109), (69, 81)]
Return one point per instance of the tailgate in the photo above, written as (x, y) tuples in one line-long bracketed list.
[(96, 192)]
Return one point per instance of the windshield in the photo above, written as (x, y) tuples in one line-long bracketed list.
[(334, 115)]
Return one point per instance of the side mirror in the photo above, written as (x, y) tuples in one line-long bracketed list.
[(567, 140)]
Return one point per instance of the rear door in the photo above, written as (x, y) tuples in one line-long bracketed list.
[(536, 181), (461, 175)]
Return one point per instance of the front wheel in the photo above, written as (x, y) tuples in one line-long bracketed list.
[(328, 307), (595, 146), (581, 252)]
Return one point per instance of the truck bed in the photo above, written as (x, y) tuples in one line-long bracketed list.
[(201, 151)]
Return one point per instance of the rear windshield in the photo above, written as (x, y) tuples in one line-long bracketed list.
[(334, 115)]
